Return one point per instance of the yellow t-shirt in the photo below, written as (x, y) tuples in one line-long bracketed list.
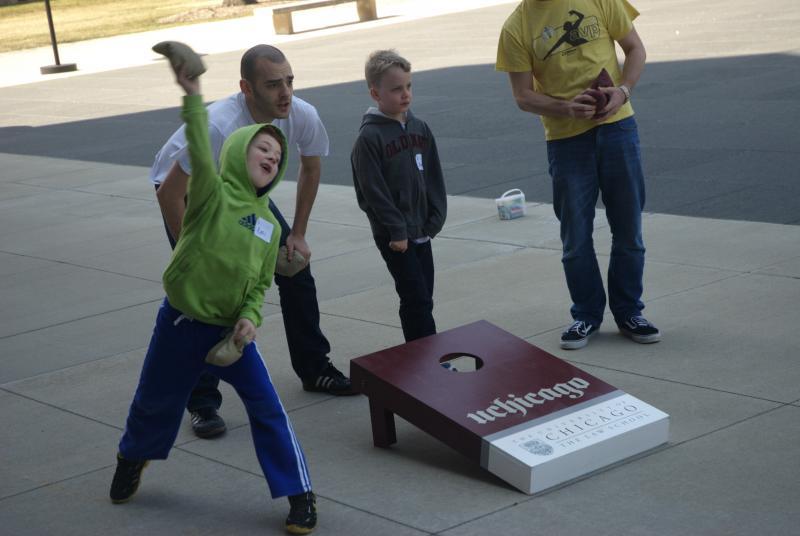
[(565, 44)]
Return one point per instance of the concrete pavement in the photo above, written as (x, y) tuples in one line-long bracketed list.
[(82, 249)]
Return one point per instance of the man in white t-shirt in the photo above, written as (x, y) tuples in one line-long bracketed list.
[(266, 97)]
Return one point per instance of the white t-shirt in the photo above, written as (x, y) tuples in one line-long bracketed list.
[(303, 129)]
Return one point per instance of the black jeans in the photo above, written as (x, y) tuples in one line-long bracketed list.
[(412, 272), (308, 347)]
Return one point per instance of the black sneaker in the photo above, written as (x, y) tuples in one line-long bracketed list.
[(640, 330), (577, 335), (330, 381), (126, 479), (302, 517), (206, 423)]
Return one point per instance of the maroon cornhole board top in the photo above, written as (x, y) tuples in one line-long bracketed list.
[(408, 380)]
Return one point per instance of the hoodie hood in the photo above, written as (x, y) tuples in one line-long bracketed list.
[(233, 159), (374, 116)]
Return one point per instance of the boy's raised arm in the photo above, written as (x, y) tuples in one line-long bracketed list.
[(203, 180)]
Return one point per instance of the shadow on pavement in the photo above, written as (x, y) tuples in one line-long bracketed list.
[(718, 135)]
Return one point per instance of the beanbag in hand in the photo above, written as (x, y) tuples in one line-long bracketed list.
[(602, 80), (226, 352), (288, 268), (181, 55)]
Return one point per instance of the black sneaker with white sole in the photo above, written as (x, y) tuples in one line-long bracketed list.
[(331, 381), (577, 335), (206, 423), (302, 517), (640, 330), (126, 479)]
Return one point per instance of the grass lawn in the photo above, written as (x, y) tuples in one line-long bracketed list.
[(25, 25)]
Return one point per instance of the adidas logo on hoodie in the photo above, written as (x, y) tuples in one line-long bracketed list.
[(249, 222)]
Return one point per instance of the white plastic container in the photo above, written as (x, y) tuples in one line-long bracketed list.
[(511, 204)]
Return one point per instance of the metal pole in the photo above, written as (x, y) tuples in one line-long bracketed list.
[(58, 67), (52, 30)]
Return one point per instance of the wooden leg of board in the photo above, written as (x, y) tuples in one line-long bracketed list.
[(383, 430)]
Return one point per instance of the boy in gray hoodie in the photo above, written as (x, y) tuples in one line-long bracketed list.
[(399, 184)]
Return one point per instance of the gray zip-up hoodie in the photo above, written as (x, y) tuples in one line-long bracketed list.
[(398, 177)]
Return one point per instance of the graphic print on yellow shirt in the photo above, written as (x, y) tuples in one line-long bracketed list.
[(573, 33), (565, 44)]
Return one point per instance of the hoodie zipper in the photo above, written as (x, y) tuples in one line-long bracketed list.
[(421, 197), (420, 183)]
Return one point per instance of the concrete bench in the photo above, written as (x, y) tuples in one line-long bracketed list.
[(282, 16)]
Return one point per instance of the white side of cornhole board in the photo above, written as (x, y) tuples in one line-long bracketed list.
[(573, 442)]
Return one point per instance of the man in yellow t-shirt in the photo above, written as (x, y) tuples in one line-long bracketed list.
[(553, 50)]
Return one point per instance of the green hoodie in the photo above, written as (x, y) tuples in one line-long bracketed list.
[(225, 258)]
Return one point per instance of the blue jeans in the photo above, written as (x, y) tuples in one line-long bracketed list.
[(606, 160)]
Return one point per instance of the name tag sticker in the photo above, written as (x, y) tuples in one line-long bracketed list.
[(263, 230), (419, 161)]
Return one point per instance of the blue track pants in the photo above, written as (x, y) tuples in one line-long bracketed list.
[(174, 361)]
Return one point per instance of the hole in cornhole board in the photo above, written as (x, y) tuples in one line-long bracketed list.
[(461, 362)]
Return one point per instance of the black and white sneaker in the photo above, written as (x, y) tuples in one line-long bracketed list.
[(302, 517), (331, 381), (126, 479), (206, 423), (640, 330), (577, 335)]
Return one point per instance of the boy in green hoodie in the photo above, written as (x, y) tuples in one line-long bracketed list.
[(215, 283)]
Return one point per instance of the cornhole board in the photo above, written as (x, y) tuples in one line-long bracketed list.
[(525, 415)]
